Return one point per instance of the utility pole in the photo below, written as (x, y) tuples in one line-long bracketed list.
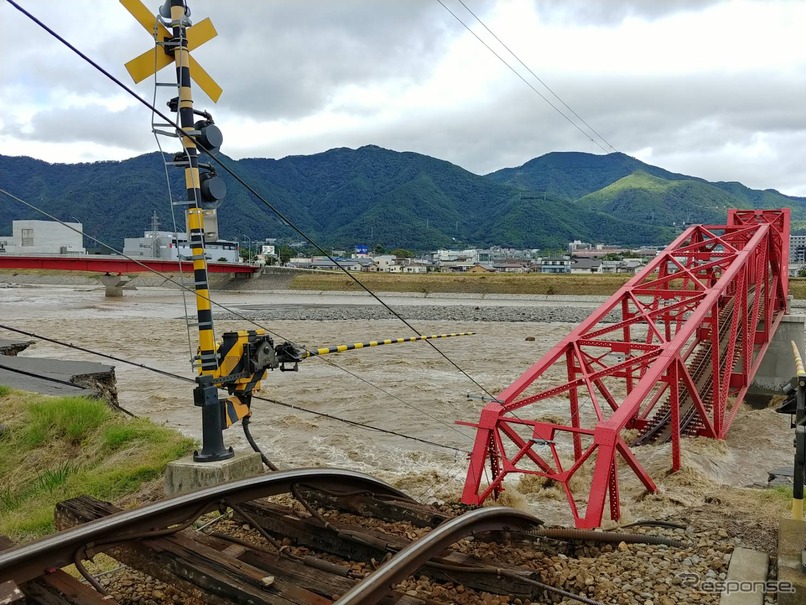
[(205, 394), (202, 190), (155, 224)]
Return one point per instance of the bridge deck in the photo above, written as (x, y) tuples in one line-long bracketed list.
[(113, 264)]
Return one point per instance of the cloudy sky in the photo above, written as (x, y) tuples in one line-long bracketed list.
[(707, 88)]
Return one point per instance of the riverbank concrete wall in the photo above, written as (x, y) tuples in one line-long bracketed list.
[(778, 365)]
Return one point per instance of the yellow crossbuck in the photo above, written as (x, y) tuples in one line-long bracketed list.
[(151, 61)]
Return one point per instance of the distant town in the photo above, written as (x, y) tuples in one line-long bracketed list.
[(34, 237), (580, 257)]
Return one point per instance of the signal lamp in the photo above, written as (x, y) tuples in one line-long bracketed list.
[(213, 190), (209, 135)]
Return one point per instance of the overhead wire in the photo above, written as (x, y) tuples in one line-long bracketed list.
[(273, 401), (536, 77), (247, 186), (536, 91), (621, 156), (97, 353), (524, 80), (236, 314), (362, 425), (251, 189)]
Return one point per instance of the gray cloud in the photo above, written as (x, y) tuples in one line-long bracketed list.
[(285, 60), (126, 129), (608, 12), (695, 125)]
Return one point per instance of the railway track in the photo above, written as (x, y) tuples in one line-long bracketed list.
[(659, 428), (335, 536)]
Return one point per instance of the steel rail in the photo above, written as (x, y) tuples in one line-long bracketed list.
[(376, 585), (660, 431), (28, 561)]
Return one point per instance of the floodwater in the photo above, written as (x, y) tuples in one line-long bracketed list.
[(406, 388)]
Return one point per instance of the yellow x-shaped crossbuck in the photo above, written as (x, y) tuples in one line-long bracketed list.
[(151, 61)]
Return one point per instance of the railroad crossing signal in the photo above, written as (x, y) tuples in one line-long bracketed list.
[(151, 61)]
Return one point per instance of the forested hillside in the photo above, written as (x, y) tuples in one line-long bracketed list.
[(375, 196)]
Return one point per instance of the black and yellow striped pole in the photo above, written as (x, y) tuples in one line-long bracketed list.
[(241, 361), (375, 343), (800, 436), (174, 46), (206, 393)]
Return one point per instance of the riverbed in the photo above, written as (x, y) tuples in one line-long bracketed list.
[(410, 389)]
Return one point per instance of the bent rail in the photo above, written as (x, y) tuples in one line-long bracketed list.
[(376, 585), (28, 561)]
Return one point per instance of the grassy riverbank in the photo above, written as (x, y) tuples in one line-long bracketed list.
[(55, 448), (496, 283)]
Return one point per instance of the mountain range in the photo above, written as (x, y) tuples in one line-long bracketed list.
[(375, 196)]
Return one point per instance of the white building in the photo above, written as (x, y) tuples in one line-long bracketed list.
[(797, 248), (43, 237), (163, 245), (447, 256), (556, 264), (387, 263)]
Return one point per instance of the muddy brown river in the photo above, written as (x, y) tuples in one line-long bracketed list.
[(407, 388)]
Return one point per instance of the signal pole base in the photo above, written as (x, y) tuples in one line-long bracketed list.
[(187, 475), (791, 541)]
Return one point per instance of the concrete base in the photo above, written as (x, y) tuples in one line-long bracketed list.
[(185, 475), (746, 566), (791, 542)]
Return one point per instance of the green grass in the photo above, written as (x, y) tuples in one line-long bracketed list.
[(638, 180), (797, 287), (4, 390), (58, 448), (490, 283), (52, 478), (71, 419)]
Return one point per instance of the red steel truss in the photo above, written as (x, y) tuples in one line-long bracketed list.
[(677, 347)]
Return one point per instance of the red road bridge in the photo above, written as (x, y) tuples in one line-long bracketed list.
[(672, 353), (114, 264)]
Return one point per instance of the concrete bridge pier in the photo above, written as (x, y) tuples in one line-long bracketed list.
[(114, 284)]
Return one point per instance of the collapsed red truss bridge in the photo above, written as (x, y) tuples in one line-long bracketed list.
[(672, 353)]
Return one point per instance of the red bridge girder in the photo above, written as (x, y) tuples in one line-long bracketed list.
[(681, 341), (113, 264)]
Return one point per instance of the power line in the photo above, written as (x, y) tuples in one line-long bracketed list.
[(248, 187), (225, 308), (359, 424), (556, 96), (621, 157), (266, 399), (524, 80)]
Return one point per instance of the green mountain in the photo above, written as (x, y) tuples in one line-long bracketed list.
[(570, 175), (619, 185), (375, 196)]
